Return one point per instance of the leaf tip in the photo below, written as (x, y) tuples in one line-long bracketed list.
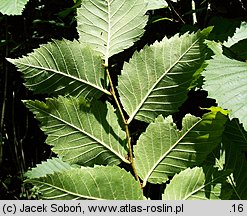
[(12, 61), (207, 31)]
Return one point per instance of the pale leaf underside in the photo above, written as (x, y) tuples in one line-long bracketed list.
[(110, 26), (215, 47), (108, 183), (225, 81), (157, 78), (163, 150), (12, 7), (240, 34), (156, 4), (48, 167), (81, 134), (195, 184), (63, 67)]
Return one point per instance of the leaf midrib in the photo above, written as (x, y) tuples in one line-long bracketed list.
[(157, 82), (66, 75), (82, 131), (108, 35), (66, 191), (168, 152), (203, 186), (229, 178)]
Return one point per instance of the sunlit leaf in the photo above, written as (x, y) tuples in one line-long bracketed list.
[(215, 47), (157, 78), (48, 167), (240, 34), (63, 67), (195, 184), (225, 81), (80, 133), (110, 26), (110, 183), (12, 7), (156, 4), (163, 150)]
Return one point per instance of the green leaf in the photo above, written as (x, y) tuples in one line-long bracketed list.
[(156, 79), (12, 7), (156, 4), (237, 134), (240, 50), (230, 156), (79, 133), (234, 158), (48, 167), (223, 28), (225, 81), (109, 183), (215, 47), (163, 150), (63, 67), (240, 34), (110, 26), (195, 184)]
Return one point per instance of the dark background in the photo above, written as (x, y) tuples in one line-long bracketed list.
[(21, 141)]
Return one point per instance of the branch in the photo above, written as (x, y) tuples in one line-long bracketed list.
[(126, 126)]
